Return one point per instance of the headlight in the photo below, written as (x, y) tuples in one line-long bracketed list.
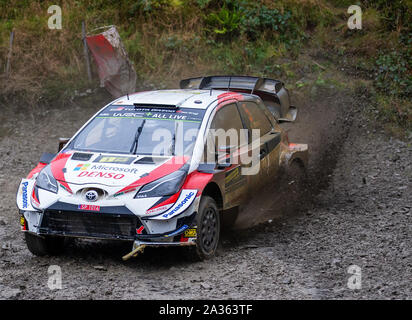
[(168, 185), (46, 181)]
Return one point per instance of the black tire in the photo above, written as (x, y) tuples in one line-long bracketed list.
[(208, 230), (42, 246)]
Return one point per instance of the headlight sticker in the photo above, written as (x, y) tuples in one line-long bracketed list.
[(185, 200), (23, 196)]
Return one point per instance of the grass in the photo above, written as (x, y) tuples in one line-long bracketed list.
[(304, 42)]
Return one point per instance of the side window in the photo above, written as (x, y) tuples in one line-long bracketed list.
[(226, 118), (267, 113), (254, 117)]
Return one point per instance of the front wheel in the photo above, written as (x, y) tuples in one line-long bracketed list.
[(208, 229), (41, 246)]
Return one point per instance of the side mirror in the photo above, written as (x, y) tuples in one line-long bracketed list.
[(225, 149), (62, 143), (290, 115)]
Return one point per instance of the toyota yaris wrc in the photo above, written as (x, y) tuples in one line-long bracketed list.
[(150, 168)]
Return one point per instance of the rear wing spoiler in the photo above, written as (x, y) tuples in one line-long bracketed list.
[(253, 84), (271, 91)]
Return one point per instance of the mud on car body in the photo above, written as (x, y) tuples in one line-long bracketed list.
[(137, 170)]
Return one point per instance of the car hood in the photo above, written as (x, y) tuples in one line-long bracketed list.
[(111, 170)]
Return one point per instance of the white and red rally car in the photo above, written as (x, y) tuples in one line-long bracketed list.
[(142, 169)]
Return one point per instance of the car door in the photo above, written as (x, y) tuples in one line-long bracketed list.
[(255, 117), (227, 118)]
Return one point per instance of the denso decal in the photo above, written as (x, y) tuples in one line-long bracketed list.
[(97, 174), (24, 194)]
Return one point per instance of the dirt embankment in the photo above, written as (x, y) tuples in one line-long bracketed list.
[(359, 214)]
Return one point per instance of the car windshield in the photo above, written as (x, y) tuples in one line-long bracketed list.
[(149, 131)]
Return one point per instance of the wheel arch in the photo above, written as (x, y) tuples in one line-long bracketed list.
[(212, 190)]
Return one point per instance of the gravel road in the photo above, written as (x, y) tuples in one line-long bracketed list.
[(358, 213)]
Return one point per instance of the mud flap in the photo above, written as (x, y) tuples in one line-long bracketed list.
[(295, 150)]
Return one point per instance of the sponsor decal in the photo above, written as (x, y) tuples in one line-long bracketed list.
[(110, 168), (108, 159), (185, 114), (188, 197), (159, 209), (97, 174), (190, 233), (232, 175), (23, 223), (88, 207), (81, 167), (24, 194), (233, 179), (168, 116)]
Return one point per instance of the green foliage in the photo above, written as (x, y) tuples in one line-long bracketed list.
[(254, 21), (225, 21), (258, 20), (394, 72), (395, 15)]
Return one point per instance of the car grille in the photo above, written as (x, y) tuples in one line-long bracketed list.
[(87, 224)]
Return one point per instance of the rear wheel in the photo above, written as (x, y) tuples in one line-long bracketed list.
[(47, 245), (208, 229)]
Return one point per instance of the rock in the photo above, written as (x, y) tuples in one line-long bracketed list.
[(100, 268), (336, 263), (205, 285), (6, 246), (9, 293)]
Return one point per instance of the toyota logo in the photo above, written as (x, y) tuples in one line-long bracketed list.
[(91, 195)]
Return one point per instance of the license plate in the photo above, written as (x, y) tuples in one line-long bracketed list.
[(190, 233), (88, 207)]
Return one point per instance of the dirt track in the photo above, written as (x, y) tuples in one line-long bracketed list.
[(359, 213)]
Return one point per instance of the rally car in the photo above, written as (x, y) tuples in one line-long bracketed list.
[(150, 168)]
